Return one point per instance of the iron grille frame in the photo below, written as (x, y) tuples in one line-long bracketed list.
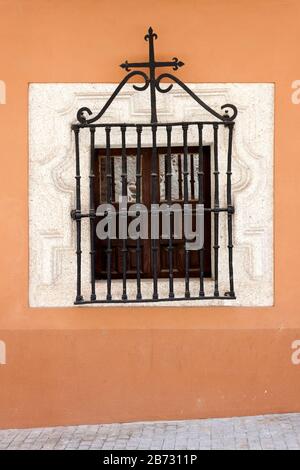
[(84, 121)]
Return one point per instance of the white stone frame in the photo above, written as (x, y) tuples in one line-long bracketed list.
[(52, 110)]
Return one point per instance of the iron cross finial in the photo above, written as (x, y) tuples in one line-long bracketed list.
[(149, 34), (152, 65)]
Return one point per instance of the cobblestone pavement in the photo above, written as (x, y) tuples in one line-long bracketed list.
[(260, 432)]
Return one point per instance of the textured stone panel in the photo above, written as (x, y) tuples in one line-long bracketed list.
[(52, 110)]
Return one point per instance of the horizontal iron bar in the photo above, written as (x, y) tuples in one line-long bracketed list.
[(165, 299), (156, 124), (230, 210), (75, 215)]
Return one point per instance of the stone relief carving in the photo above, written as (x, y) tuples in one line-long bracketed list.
[(53, 109)]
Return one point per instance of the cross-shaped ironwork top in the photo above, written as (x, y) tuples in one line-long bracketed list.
[(152, 65), (154, 83)]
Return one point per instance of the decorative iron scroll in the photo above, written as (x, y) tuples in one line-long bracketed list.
[(224, 119), (155, 84)]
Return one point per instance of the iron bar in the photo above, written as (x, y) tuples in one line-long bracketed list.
[(124, 195), (165, 173), (162, 299), (109, 201), (75, 215), (229, 213), (192, 179), (185, 201), (154, 201), (149, 124), (138, 201), (113, 186), (92, 212), (201, 201), (179, 177), (216, 214), (168, 177), (79, 297), (150, 36), (230, 209)]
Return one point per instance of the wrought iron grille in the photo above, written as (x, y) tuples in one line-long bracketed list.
[(93, 124)]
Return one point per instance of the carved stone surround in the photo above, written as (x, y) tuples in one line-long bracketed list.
[(52, 110)]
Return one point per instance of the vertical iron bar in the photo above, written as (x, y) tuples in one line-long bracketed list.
[(179, 177), (92, 212), (151, 37), (124, 195), (154, 200), (109, 201), (168, 177), (216, 213), (201, 201), (113, 182), (165, 173), (230, 210), (192, 176), (79, 297), (138, 201), (185, 201)]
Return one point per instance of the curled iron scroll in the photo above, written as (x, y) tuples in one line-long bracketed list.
[(81, 114), (225, 117)]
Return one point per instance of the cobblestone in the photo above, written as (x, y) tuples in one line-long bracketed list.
[(278, 432)]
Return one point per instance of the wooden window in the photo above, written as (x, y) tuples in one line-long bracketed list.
[(177, 196)]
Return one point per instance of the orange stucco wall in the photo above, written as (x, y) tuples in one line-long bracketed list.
[(80, 365)]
